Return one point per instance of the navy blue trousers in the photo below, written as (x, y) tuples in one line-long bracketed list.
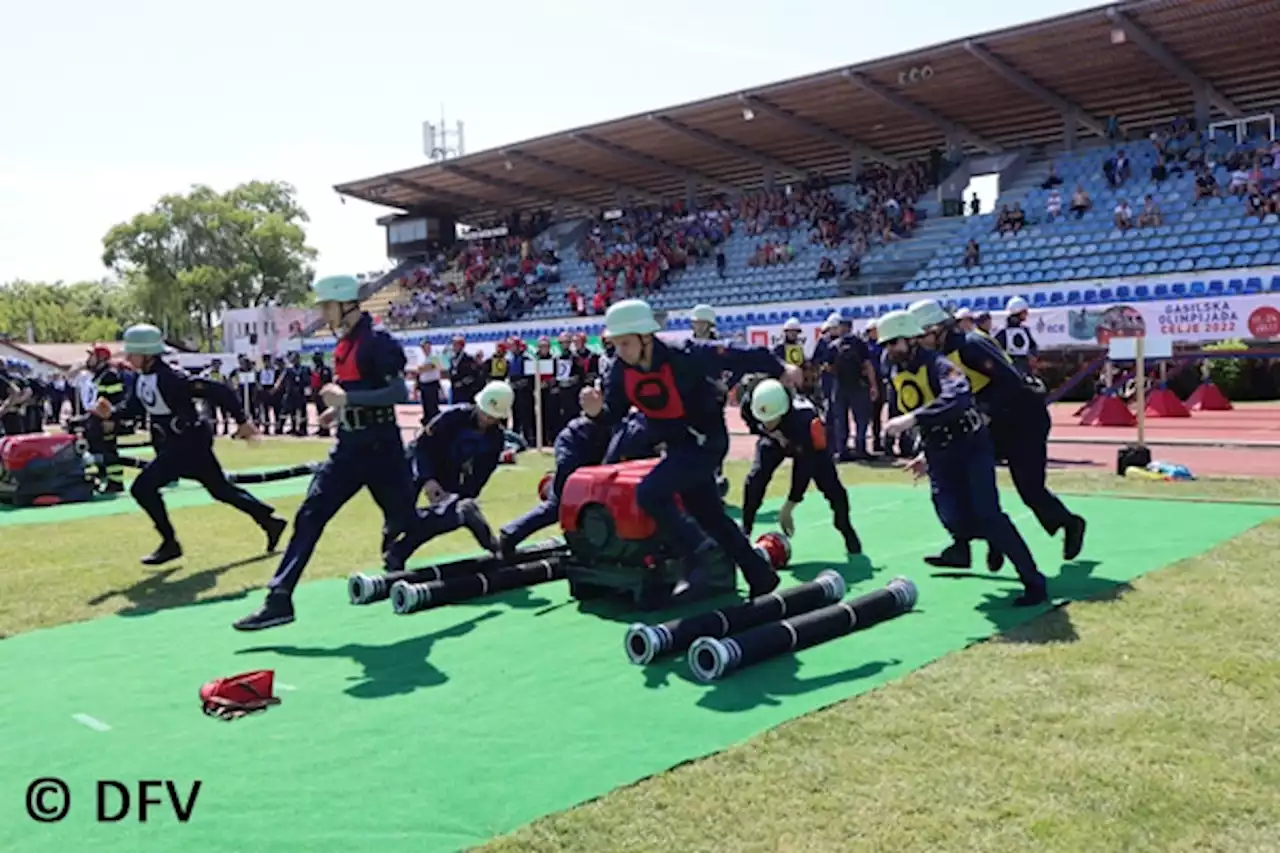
[(769, 457), (1021, 437), (546, 513), (850, 403), (429, 522), (963, 481), (689, 471), (190, 459), (378, 465)]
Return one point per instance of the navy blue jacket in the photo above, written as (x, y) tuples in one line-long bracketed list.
[(369, 365), (931, 387), (457, 453), (168, 397), (996, 383), (679, 391)]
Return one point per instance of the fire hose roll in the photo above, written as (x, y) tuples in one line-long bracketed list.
[(414, 597), (712, 658), (645, 643), (366, 589)]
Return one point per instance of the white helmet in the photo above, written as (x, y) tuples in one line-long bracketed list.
[(964, 314), (1016, 305), (769, 400), (872, 324), (792, 325), (495, 400), (703, 314), (928, 312), (898, 324), (630, 317), (833, 320)]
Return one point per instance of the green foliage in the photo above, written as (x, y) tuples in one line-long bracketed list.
[(1229, 375), (83, 311), (193, 256)]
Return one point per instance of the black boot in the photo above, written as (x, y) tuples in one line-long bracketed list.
[(168, 551), (274, 527), (852, 543), (1032, 596), (276, 610), (474, 521), (954, 556), (1073, 538), (995, 560)]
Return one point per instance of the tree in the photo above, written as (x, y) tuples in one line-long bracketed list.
[(193, 256), (82, 312)]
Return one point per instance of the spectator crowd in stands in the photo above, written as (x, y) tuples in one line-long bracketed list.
[(502, 275)]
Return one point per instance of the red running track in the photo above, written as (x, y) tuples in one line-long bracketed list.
[(1250, 422)]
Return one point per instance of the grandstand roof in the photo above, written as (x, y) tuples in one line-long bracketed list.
[(1136, 60)]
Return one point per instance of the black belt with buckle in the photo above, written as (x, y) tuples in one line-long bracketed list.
[(363, 417), (946, 434)]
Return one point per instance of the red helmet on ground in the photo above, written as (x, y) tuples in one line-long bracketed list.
[(775, 548)]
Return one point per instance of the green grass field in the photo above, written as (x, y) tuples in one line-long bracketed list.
[(1142, 721)]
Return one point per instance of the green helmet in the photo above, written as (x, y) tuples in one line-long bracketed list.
[(337, 288), (143, 339)]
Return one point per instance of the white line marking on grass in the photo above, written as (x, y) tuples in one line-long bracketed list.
[(282, 686), (92, 722)]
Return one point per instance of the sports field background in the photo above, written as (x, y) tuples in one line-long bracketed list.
[(441, 730)]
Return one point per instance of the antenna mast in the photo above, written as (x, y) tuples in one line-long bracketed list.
[(436, 140)]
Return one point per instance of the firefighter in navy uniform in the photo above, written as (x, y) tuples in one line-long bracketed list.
[(369, 453), (930, 394), (790, 350), (1016, 339), (789, 426), (496, 367), (10, 394), (321, 377), (465, 373), (523, 420), (220, 418), (569, 382), (1019, 422), (581, 443), (183, 440), (588, 365), (36, 402), (101, 434), (674, 387), (703, 328), (452, 462), (296, 381), (702, 323)]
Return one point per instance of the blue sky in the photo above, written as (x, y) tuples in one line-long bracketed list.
[(107, 106)]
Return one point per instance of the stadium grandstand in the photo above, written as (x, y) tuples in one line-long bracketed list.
[(1134, 145)]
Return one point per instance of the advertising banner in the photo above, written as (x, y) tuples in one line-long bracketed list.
[(1193, 320)]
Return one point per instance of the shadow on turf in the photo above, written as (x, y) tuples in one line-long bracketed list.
[(155, 592), (1052, 623), (765, 685), (391, 670)]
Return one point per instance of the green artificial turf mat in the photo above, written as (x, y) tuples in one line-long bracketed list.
[(437, 731)]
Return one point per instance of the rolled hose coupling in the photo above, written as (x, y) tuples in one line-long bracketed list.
[(365, 589), (644, 643), (904, 592), (409, 597)]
